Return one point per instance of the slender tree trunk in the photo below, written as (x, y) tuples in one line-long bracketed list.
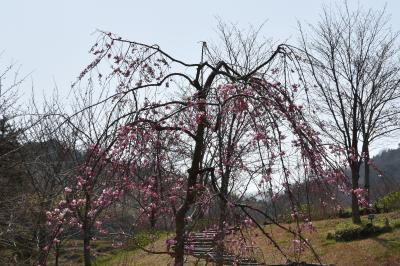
[(190, 195), (366, 175), (57, 250), (222, 220), (42, 232), (180, 239), (272, 206), (355, 176), (42, 243), (156, 187), (221, 234), (86, 244), (224, 191), (153, 219), (193, 171)]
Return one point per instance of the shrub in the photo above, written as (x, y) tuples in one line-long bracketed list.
[(360, 232), (143, 239), (346, 213), (388, 203), (347, 231)]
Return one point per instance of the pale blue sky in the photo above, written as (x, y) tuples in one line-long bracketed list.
[(52, 37)]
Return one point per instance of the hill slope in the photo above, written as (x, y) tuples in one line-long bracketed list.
[(387, 179)]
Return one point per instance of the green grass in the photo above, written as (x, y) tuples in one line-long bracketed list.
[(142, 239), (108, 258), (71, 253), (383, 249)]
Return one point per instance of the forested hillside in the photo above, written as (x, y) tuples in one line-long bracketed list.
[(385, 175)]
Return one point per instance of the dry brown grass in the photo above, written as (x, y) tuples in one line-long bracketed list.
[(380, 250)]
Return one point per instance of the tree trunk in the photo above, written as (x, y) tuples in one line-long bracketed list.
[(42, 232), (190, 196), (366, 175), (180, 239), (222, 219), (86, 244), (355, 175), (193, 171), (41, 244), (57, 255), (153, 219), (224, 192)]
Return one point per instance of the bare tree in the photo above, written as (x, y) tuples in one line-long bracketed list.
[(50, 154), (13, 186), (353, 58)]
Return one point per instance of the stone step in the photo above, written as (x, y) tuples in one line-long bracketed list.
[(199, 249), (201, 238), (196, 241), (203, 235), (204, 247)]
